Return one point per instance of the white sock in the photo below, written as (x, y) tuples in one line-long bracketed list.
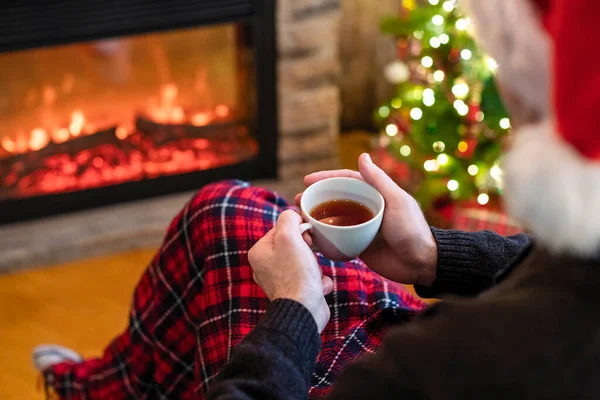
[(45, 356)]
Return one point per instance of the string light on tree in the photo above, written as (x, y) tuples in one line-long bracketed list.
[(397, 72), (505, 123), (443, 159), (391, 130), (416, 113), (384, 111), (460, 89), (463, 146), (416, 93), (458, 104), (405, 150), (444, 38), (461, 24), (466, 54), (384, 141), (452, 185), (409, 4), (431, 165), (480, 116), (483, 199), (496, 172), (438, 20), (434, 2), (396, 103), (428, 97), (435, 42), (491, 64), (448, 6), (439, 76), (461, 107), (427, 62), (418, 34), (473, 170)]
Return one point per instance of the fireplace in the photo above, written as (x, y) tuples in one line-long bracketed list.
[(110, 101), (283, 102)]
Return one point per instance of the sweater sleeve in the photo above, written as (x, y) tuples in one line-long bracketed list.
[(469, 261), (393, 372), (275, 360)]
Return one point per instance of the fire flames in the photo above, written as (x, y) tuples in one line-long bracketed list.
[(168, 111)]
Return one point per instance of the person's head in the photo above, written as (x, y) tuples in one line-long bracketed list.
[(549, 74)]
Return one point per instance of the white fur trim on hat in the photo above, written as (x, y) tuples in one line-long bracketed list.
[(552, 190), (512, 33)]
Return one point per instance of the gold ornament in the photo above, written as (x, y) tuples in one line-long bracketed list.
[(409, 4), (439, 146)]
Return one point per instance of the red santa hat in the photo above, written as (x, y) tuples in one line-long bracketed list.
[(546, 55)]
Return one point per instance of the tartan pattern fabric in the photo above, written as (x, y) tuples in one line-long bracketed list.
[(477, 219), (197, 300)]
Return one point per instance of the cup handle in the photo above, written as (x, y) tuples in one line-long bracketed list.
[(305, 227)]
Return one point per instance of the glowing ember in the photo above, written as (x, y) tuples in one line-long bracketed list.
[(177, 116), (202, 144), (98, 162), (8, 144), (169, 112), (201, 119), (21, 143), (39, 139), (109, 165), (222, 111), (121, 133), (60, 135), (159, 115), (77, 122)]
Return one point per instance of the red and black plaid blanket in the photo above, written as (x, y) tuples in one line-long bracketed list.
[(197, 301)]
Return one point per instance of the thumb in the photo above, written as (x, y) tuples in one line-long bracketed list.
[(375, 177)]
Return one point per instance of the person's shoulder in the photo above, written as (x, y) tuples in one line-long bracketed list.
[(455, 346), (466, 323), (466, 347)]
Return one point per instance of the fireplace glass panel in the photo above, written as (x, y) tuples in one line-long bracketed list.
[(108, 112)]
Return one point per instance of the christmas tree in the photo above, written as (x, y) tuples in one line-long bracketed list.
[(446, 121)]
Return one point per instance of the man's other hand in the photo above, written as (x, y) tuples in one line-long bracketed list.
[(286, 268), (405, 250)]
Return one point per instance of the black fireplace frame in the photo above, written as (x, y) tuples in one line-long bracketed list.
[(30, 24)]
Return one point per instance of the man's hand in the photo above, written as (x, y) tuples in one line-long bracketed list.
[(286, 268), (405, 250)]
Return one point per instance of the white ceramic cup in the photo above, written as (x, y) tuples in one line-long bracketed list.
[(341, 243)]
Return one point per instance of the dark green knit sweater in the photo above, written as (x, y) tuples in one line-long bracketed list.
[(533, 335)]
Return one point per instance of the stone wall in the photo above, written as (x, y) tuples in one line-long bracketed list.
[(308, 89), (364, 52), (332, 53)]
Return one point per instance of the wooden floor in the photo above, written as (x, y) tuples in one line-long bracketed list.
[(81, 305)]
